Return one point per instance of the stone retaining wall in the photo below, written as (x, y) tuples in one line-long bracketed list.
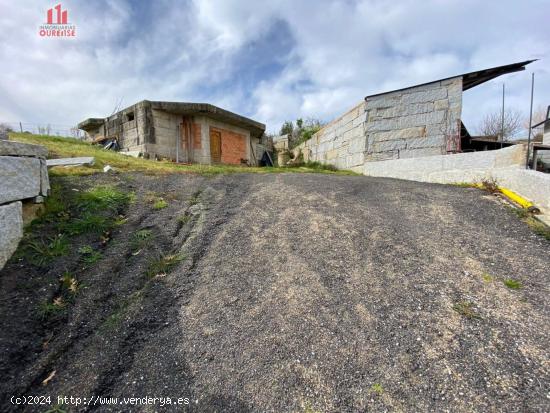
[(23, 176), (408, 123)]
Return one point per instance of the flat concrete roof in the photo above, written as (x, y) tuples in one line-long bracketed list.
[(188, 109)]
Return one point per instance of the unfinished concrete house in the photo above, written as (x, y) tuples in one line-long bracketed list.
[(183, 132), (416, 121)]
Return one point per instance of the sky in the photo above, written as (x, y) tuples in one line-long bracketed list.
[(268, 60)]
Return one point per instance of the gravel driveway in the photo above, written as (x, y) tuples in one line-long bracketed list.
[(311, 293)]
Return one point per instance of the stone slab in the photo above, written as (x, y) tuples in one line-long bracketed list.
[(20, 178), (13, 148), (11, 230), (88, 160)]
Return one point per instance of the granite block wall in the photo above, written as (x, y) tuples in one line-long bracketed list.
[(408, 123)]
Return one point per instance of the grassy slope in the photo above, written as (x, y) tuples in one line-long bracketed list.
[(59, 147)]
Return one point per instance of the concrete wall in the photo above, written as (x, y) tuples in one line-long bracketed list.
[(453, 168), (505, 166), (409, 123)]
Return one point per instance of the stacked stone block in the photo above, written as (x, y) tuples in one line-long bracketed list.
[(409, 123), (23, 176)]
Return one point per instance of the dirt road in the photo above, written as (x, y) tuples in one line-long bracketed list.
[(294, 293)]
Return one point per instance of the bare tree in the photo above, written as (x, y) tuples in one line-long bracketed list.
[(491, 125), (539, 114)]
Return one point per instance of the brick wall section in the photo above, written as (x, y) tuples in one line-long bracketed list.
[(233, 146), (403, 124)]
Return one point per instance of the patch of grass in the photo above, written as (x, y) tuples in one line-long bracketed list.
[(69, 282), (60, 147), (160, 203), (184, 219), (103, 197), (512, 284), (377, 388), (163, 265), (41, 252), (488, 278), (140, 239), (89, 255), (96, 209), (88, 223), (194, 200), (466, 309), (48, 309), (59, 408), (539, 227), (116, 316), (536, 226)]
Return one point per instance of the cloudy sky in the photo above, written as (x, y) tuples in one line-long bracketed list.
[(269, 60)]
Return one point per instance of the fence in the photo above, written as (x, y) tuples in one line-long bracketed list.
[(43, 129)]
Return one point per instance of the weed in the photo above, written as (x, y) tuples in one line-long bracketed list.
[(90, 257), (184, 219), (58, 408), (42, 252), (377, 388), (466, 308), (89, 222), (120, 220), (521, 212), (101, 198), (116, 316), (194, 200), (48, 309), (160, 203), (512, 284), (140, 239), (69, 282), (488, 278), (490, 185), (163, 265), (538, 227)]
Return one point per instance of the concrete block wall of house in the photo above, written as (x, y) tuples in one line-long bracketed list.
[(187, 132)]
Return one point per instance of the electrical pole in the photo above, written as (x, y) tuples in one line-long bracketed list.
[(502, 119), (530, 123)]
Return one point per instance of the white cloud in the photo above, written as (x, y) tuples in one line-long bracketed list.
[(339, 51)]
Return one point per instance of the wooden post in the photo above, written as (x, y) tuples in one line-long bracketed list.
[(21, 127)]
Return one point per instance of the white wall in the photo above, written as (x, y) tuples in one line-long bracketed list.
[(506, 166)]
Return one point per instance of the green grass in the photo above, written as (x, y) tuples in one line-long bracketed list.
[(536, 226), (377, 388), (163, 265), (184, 219), (89, 255), (49, 309), (117, 315), (195, 198), (41, 252), (140, 239), (60, 147), (512, 284), (488, 278), (69, 283), (160, 203), (466, 309)]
